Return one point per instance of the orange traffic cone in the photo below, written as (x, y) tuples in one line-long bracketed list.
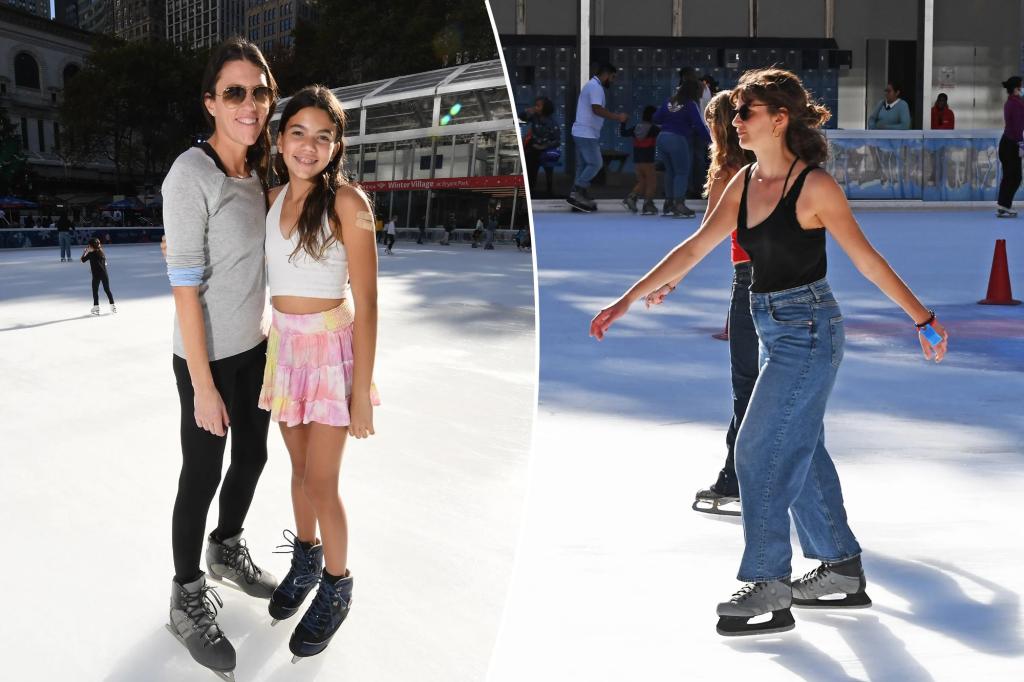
[(999, 292), (724, 334)]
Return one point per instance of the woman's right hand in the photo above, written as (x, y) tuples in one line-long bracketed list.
[(604, 319), (210, 413)]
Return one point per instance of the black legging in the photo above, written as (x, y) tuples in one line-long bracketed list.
[(1009, 157), (238, 379), (96, 281), (533, 165)]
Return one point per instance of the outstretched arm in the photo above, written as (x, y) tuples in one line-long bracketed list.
[(827, 200), (680, 260)]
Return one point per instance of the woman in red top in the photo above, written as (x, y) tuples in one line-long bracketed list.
[(942, 115)]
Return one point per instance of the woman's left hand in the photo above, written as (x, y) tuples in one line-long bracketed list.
[(361, 417), (604, 319), (938, 351)]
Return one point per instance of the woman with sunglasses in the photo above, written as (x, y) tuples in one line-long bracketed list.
[(781, 207), (214, 217)]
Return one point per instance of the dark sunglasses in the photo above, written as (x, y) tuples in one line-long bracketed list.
[(234, 96), (744, 110)]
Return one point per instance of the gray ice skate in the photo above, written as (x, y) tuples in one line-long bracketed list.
[(753, 600), (193, 623), (832, 586), (229, 563), (1005, 212)]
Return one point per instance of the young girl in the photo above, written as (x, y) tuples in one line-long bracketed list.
[(98, 262), (214, 208), (781, 460), (644, 136), (317, 383)]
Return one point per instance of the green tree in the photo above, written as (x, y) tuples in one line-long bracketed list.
[(14, 174)]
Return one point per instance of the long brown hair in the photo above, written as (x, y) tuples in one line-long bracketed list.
[(781, 89), (726, 152), (320, 199), (233, 50)]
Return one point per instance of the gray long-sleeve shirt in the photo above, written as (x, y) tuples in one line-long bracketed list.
[(215, 227)]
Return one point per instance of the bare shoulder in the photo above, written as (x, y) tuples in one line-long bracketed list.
[(351, 199), (273, 192), (820, 180)]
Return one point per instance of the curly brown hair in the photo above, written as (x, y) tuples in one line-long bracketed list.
[(781, 89), (726, 152)]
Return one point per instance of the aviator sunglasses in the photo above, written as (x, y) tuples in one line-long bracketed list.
[(235, 95), (744, 110)]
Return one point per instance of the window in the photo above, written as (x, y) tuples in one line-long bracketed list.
[(369, 166), (56, 136), (42, 136), (425, 162), (26, 71), (24, 134)]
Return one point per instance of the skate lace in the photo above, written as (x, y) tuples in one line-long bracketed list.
[(200, 609), (238, 558), (303, 563), (746, 591), (319, 613), (814, 575)]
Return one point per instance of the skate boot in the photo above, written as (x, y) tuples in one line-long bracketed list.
[(753, 600), (630, 202), (681, 210), (832, 586), (95, 310), (307, 562), (193, 623), (580, 200), (726, 490), (323, 618), (230, 564), (666, 208), (113, 309), (649, 208), (1005, 212)]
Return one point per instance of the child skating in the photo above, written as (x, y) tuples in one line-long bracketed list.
[(98, 262)]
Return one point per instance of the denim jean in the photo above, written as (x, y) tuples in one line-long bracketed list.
[(65, 244), (674, 152), (588, 160), (781, 460), (743, 355)]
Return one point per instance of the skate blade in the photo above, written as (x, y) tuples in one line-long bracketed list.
[(737, 626), (716, 507), (229, 675), (580, 206), (859, 600)]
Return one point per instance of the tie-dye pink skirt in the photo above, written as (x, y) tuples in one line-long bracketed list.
[(308, 377)]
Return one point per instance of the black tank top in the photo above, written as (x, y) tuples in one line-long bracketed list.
[(783, 254)]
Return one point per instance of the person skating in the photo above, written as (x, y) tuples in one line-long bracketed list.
[(644, 136), (781, 460), (727, 157), (320, 355), (390, 234), (681, 126), (1011, 147), (586, 131), (65, 228), (93, 254), (214, 204)]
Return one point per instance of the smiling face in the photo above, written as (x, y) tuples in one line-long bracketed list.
[(244, 123), (308, 141)]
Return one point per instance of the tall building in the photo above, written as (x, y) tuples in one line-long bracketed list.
[(66, 12), (96, 16), (269, 23), (40, 8), (139, 19), (204, 23)]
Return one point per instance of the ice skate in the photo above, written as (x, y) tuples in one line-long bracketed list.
[(725, 491), (95, 310), (681, 210), (306, 567), (325, 615), (113, 309), (753, 600), (579, 199), (649, 208), (832, 586), (230, 564), (630, 203), (1005, 212), (193, 623), (666, 208)]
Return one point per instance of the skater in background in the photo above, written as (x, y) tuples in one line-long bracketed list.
[(586, 131), (1011, 147), (390, 234), (65, 230), (781, 207), (490, 230), (478, 232), (541, 142), (942, 115), (320, 354), (727, 157), (644, 135), (214, 213), (681, 127), (98, 263)]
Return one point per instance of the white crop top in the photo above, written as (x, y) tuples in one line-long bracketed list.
[(303, 276)]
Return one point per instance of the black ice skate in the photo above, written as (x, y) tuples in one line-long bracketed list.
[(581, 201), (757, 599), (323, 618), (230, 564), (725, 491), (832, 586), (649, 208), (301, 578), (630, 203), (193, 623)]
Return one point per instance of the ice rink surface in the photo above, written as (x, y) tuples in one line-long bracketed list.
[(617, 579), (91, 458)]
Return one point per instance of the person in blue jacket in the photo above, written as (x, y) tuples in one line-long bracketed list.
[(681, 127)]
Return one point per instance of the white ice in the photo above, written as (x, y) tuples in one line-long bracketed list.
[(90, 461), (617, 579)]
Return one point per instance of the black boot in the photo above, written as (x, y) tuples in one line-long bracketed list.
[(307, 562), (323, 618)]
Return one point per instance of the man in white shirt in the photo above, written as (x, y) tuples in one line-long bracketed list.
[(586, 131)]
